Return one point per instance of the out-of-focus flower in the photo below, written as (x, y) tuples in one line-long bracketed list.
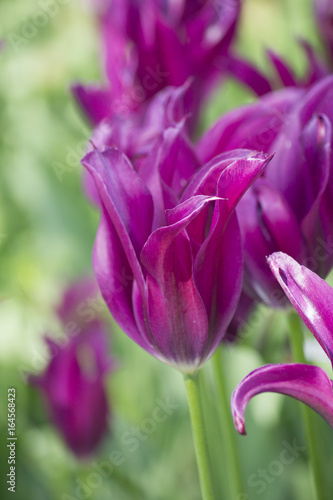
[(73, 383), (175, 238), (290, 210), (149, 45), (136, 135), (283, 73), (312, 298)]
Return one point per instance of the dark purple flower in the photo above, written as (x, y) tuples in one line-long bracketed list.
[(312, 298), (167, 255), (284, 75), (74, 381), (149, 45), (290, 209), (137, 133)]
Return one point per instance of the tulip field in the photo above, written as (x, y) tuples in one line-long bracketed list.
[(166, 249)]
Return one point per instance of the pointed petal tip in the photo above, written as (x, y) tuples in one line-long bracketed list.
[(239, 424)]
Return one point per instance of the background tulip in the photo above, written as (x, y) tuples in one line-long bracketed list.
[(74, 381)]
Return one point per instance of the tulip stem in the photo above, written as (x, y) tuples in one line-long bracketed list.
[(295, 324), (199, 436), (232, 462)]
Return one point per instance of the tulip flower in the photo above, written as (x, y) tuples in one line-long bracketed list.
[(284, 76), (137, 134), (73, 383), (312, 298), (167, 255), (290, 208), (149, 45)]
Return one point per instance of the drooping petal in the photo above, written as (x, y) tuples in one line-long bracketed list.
[(311, 296), (306, 383)]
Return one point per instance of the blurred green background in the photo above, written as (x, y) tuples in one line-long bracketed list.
[(47, 231)]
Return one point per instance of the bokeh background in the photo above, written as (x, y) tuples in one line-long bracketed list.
[(47, 230)]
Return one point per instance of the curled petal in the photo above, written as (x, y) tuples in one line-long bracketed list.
[(306, 383), (311, 296)]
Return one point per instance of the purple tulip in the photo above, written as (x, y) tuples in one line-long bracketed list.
[(137, 134), (149, 45), (290, 210), (284, 75), (167, 255), (73, 383), (312, 298)]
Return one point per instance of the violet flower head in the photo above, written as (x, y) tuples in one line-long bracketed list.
[(290, 208), (137, 133), (167, 254), (152, 44), (312, 298), (74, 382)]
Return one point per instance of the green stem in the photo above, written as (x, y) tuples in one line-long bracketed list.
[(232, 462), (310, 429), (199, 436)]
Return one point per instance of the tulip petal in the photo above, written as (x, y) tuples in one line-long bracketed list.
[(306, 383), (311, 296), (130, 210), (247, 74), (116, 280), (177, 315), (253, 126), (228, 179), (267, 225), (95, 101)]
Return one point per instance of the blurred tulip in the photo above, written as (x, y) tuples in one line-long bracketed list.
[(290, 210), (152, 44), (73, 383), (137, 134), (175, 238), (312, 298)]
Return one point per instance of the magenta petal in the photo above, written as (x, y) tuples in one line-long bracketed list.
[(131, 209), (311, 296), (308, 384), (285, 73), (253, 126), (177, 315), (247, 74), (218, 273), (116, 280), (95, 102), (228, 176), (267, 225)]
